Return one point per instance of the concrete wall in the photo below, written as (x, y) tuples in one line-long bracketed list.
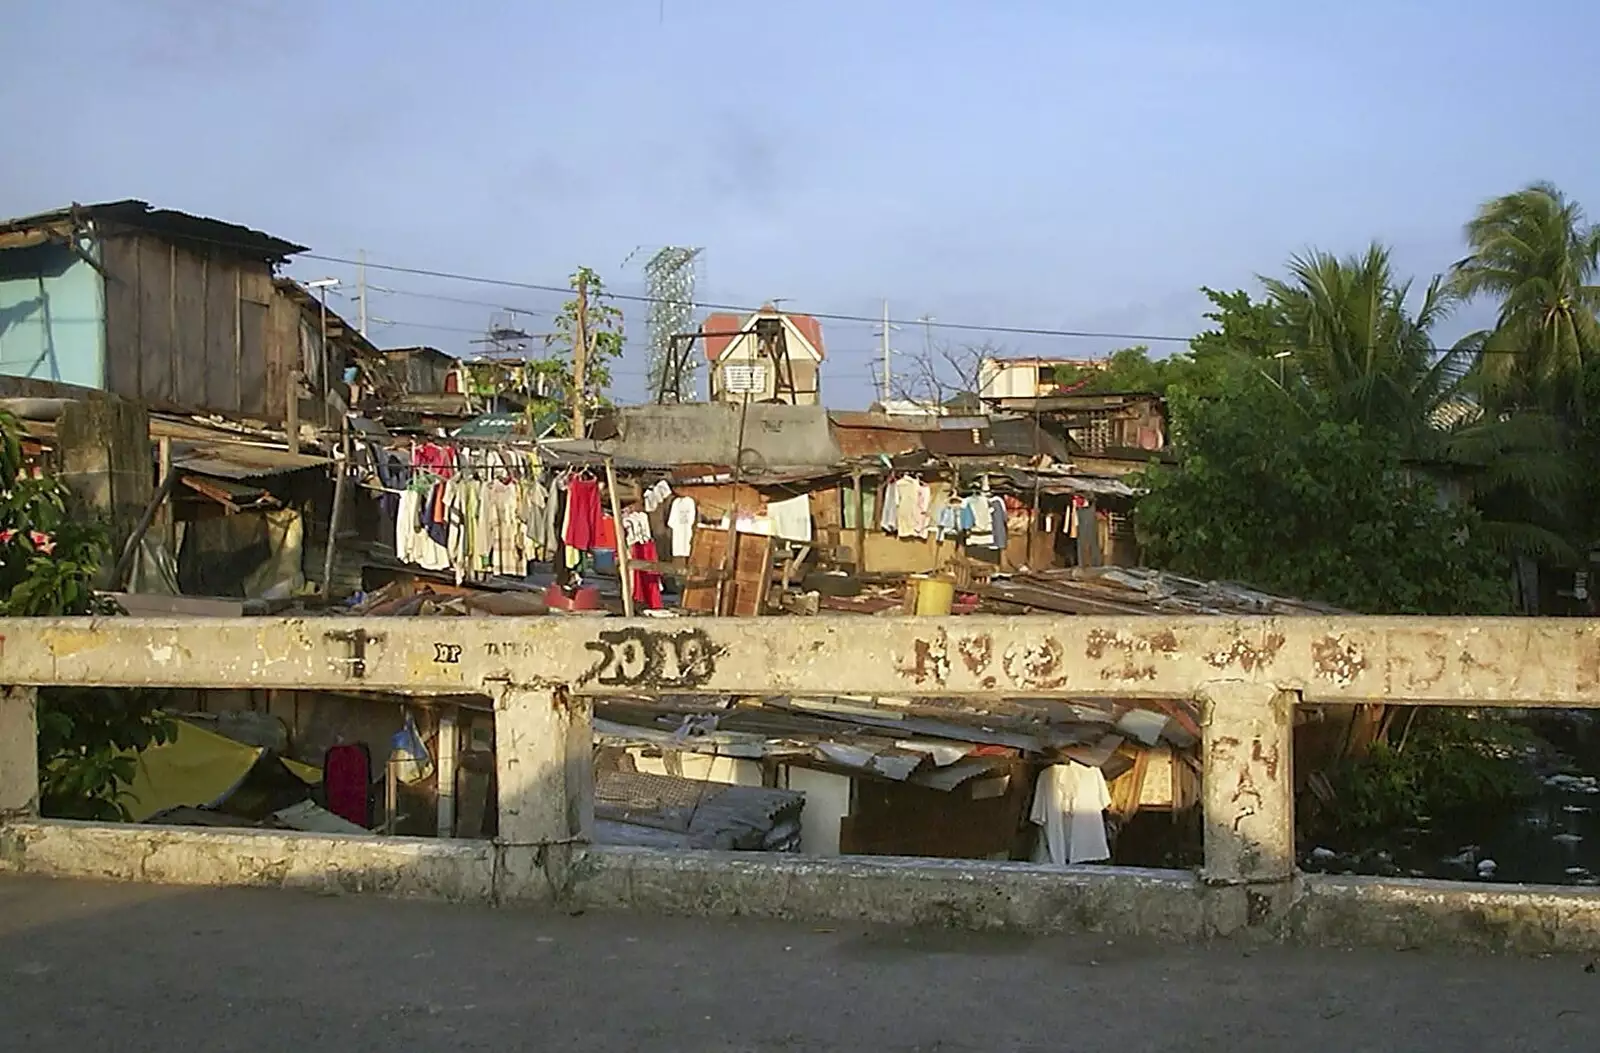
[(1246, 674), (52, 315), (708, 433)]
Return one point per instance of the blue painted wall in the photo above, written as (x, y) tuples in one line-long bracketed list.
[(52, 316)]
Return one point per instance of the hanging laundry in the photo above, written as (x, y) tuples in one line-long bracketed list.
[(646, 583), (1069, 802), (434, 458), (888, 510), (912, 507), (791, 518), (583, 514), (681, 517), (954, 518), (981, 533), (997, 514), (606, 536), (635, 528), (657, 495)]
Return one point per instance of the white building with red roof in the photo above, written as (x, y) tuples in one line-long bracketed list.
[(742, 367)]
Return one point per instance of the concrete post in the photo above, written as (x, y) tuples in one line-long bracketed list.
[(1248, 792), (545, 774), (19, 753)]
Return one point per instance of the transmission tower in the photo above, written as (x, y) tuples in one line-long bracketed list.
[(669, 282)]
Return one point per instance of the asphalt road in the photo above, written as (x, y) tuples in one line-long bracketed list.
[(127, 968)]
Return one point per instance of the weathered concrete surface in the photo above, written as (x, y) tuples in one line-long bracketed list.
[(1114, 901), (1513, 661), (1528, 919), (708, 433), (1160, 904), (1247, 782), (457, 871), (87, 966), (19, 752)]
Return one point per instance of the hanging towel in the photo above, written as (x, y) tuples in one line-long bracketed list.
[(791, 518)]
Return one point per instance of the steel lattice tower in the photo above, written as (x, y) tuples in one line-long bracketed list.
[(669, 278)]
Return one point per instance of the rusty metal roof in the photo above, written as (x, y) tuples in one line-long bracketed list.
[(167, 223), (235, 460)]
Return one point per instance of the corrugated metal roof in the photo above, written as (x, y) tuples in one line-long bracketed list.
[(167, 223), (233, 460)]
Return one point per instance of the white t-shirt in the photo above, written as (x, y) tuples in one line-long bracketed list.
[(1069, 801), (680, 521)]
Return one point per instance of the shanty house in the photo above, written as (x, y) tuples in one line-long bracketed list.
[(764, 357), (157, 306), (1032, 377)]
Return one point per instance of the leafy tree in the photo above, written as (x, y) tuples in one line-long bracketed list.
[(1535, 253), (1266, 495), (48, 559), (551, 379)]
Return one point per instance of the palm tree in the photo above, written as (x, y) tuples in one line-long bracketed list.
[(1534, 252), (1360, 353), (1364, 356)]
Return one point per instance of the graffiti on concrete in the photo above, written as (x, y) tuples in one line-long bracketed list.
[(647, 658), (447, 653)]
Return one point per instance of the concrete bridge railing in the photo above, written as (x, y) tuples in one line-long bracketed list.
[(1247, 675)]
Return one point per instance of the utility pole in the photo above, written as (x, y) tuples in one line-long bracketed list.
[(888, 370), (361, 288), (580, 353)]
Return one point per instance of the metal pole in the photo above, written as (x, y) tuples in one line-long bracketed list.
[(888, 370), (327, 359), (361, 288), (341, 465)]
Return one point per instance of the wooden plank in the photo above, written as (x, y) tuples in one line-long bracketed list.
[(260, 384), (282, 354), (119, 260), (706, 549), (155, 320), (189, 330), (221, 340), (253, 383), (752, 573)]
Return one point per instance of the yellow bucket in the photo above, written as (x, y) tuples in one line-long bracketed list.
[(934, 595)]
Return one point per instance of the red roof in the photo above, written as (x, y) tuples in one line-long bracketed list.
[(726, 323)]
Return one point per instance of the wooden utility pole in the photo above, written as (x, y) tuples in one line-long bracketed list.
[(580, 354)]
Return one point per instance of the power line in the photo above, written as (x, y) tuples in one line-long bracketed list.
[(832, 316), (828, 316), (1135, 338)]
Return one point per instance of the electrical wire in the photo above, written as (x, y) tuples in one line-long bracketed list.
[(923, 322)]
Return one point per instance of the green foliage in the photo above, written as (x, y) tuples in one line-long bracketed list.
[(604, 323), (1535, 254), (88, 744), (48, 559), (1448, 763), (1267, 495)]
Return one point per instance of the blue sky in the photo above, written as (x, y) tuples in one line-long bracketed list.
[(1038, 163)]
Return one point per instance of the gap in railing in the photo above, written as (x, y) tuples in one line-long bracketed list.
[(321, 761), (1455, 793)]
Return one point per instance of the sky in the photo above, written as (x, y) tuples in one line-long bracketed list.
[(1041, 164)]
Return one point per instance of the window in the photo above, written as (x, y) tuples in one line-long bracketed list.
[(741, 378)]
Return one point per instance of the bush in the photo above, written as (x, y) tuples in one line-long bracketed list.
[(48, 561), (1448, 764)]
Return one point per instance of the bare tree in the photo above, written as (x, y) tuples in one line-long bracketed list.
[(942, 373)]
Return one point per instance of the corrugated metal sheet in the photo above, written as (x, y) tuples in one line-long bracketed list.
[(232, 460)]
